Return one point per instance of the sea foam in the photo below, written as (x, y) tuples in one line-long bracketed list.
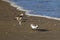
[(27, 12)]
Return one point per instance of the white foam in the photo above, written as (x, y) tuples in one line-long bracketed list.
[(15, 5), (43, 16), (28, 11)]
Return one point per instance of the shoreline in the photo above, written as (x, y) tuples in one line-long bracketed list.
[(11, 30), (11, 12), (43, 16), (27, 11)]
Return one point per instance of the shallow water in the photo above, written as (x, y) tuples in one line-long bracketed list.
[(41, 7)]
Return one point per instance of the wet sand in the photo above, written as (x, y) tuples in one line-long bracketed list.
[(11, 30)]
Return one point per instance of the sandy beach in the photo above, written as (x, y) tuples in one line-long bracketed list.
[(11, 30)]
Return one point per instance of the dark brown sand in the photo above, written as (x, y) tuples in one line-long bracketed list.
[(11, 30)]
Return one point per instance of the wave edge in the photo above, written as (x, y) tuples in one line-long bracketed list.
[(28, 11)]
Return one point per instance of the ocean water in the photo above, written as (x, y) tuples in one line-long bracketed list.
[(50, 8)]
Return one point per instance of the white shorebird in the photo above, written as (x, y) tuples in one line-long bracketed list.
[(21, 14), (34, 26), (19, 20)]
